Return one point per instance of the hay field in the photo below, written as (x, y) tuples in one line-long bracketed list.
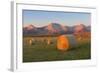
[(40, 50)]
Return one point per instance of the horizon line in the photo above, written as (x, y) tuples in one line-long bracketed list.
[(57, 23)]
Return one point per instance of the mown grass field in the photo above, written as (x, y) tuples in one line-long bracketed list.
[(38, 51)]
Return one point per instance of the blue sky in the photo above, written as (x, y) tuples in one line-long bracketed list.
[(42, 18)]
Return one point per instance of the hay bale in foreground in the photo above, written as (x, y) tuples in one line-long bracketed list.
[(66, 42)]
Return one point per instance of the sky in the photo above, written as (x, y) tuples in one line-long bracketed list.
[(43, 18)]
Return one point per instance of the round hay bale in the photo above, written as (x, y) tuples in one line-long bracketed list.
[(31, 41), (62, 43), (48, 40), (65, 42)]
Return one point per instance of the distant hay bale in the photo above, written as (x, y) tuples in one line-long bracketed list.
[(48, 40), (31, 41)]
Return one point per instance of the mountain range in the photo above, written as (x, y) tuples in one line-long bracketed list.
[(53, 29)]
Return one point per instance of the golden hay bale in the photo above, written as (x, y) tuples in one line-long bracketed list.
[(48, 40), (66, 42), (62, 43), (31, 41)]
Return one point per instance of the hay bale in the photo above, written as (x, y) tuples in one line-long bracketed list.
[(62, 43), (66, 42), (31, 41)]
